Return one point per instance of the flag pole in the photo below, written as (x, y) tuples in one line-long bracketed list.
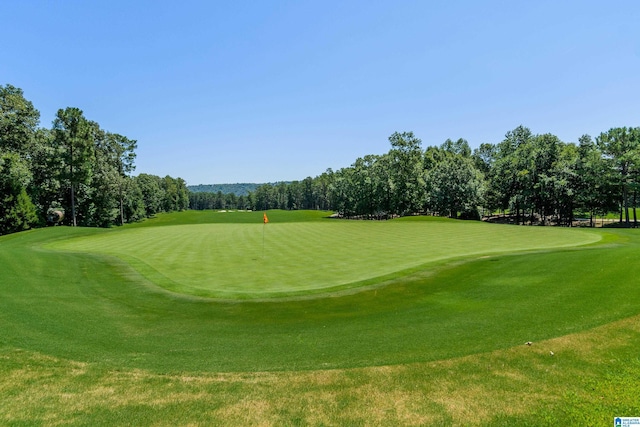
[(265, 220)]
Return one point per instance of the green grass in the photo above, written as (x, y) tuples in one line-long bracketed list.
[(287, 257), (229, 217), (87, 339)]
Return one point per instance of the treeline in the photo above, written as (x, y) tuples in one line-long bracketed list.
[(534, 178), (73, 173), (239, 189), (218, 200)]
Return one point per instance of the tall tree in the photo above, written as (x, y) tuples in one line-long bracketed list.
[(343, 192), (460, 147), (455, 186), (72, 132), (594, 180), (562, 183), (18, 121), (17, 212), (407, 172), (484, 157), (544, 154), (621, 146), (176, 194), (152, 193), (46, 164), (18, 126), (322, 189), (120, 155), (510, 176)]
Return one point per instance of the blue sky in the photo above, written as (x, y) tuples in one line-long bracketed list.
[(263, 91)]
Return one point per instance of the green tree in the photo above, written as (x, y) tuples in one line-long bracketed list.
[(594, 179), (115, 154), (18, 121), (308, 194), (322, 190), (343, 192), (133, 204), (264, 198), (365, 200), (295, 195), (72, 133), (561, 183), (455, 186), (545, 177), (407, 173), (17, 212), (176, 194), (621, 147), (459, 147), (510, 177), (18, 127), (484, 157), (46, 164), (101, 206), (150, 187), (383, 185)]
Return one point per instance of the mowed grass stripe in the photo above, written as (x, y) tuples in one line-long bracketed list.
[(231, 260)]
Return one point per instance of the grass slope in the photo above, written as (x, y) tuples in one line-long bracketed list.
[(87, 340), (591, 379)]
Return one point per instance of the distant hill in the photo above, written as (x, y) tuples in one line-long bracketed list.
[(240, 189)]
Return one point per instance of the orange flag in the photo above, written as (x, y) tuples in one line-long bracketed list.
[(264, 218)]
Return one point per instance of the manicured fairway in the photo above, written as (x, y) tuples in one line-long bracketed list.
[(298, 258), (436, 336)]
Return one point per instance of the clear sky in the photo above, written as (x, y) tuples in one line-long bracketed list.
[(266, 90)]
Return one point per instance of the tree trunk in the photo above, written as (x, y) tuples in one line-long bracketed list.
[(73, 206), (626, 207), (73, 197), (621, 211), (121, 205), (531, 217), (121, 212), (571, 218), (635, 204)]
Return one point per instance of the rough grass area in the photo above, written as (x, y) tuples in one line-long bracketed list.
[(88, 340), (591, 378)]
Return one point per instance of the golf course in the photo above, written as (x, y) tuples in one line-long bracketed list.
[(217, 318)]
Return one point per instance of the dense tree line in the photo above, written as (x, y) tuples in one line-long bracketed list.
[(79, 174), (74, 173), (239, 189), (208, 200), (533, 178)]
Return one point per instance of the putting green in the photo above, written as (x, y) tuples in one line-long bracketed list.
[(298, 258)]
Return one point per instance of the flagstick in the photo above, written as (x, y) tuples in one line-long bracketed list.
[(265, 220)]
